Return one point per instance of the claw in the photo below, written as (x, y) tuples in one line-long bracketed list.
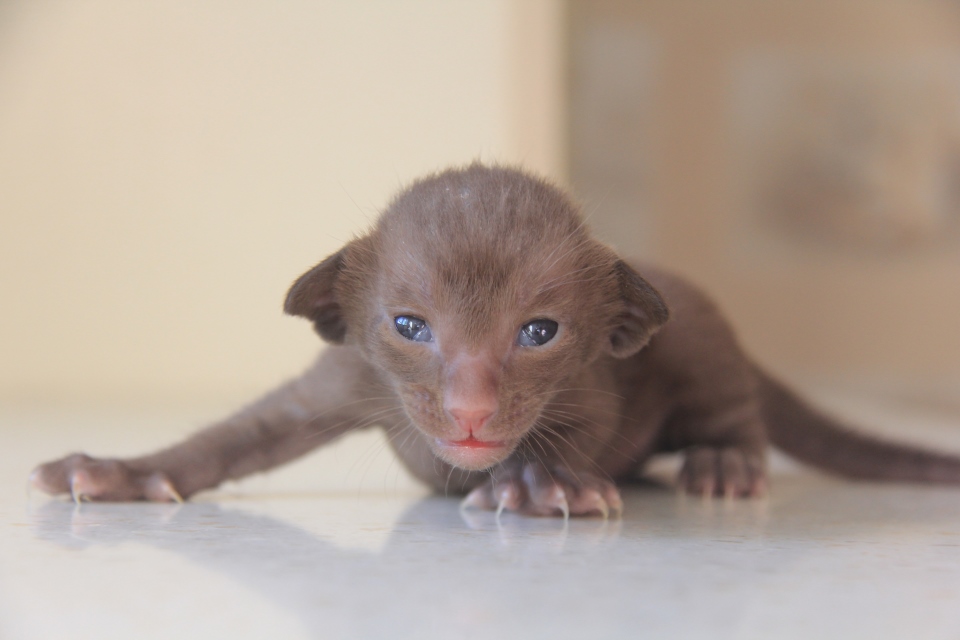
[(76, 487), (565, 508), (591, 500), (615, 503), (708, 490), (160, 489), (604, 509), (474, 500), (759, 488), (508, 496), (560, 502), (175, 495)]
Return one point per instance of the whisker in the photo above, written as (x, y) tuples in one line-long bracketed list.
[(400, 447), (542, 438), (362, 460), (592, 463), (586, 430), (379, 449), (341, 406), (617, 414), (560, 284), (362, 421), (548, 284), (369, 456), (586, 423), (317, 416), (580, 243), (539, 444), (446, 484), (574, 389)]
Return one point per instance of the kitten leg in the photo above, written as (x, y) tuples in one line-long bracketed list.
[(336, 395)]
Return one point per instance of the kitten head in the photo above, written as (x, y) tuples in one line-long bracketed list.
[(477, 294)]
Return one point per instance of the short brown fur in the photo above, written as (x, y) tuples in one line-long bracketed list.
[(478, 253)]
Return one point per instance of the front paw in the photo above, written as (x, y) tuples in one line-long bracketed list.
[(87, 478), (725, 471), (534, 489)]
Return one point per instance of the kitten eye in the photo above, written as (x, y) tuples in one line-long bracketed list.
[(537, 333), (413, 328)]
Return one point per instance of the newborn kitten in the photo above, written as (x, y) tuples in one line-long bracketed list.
[(510, 356)]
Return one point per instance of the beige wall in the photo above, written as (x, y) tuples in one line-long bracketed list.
[(167, 168), (800, 160)]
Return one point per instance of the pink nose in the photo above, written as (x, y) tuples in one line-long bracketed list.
[(471, 421)]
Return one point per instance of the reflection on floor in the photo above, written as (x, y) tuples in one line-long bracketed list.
[(818, 559)]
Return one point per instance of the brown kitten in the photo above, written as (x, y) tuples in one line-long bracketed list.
[(513, 357)]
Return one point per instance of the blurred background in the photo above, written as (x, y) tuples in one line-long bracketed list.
[(801, 160), (168, 168)]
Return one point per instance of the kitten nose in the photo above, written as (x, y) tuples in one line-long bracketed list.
[(471, 421)]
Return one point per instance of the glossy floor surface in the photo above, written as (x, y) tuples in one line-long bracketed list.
[(292, 557)]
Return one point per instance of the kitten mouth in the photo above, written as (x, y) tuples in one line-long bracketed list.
[(472, 443), (471, 453)]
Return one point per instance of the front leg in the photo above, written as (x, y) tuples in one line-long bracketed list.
[(337, 394)]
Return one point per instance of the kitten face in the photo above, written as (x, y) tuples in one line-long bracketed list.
[(474, 362), (478, 294)]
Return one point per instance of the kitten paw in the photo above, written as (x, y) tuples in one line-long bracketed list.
[(727, 472), (93, 479), (533, 489)]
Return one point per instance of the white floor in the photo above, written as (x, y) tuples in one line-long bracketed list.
[(344, 545)]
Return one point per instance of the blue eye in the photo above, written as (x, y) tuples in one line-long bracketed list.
[(413, 328), (537, 333)]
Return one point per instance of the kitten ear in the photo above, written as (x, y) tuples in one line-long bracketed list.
[(314, 296), (643, 312)]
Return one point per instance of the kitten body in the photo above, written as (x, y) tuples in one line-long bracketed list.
[(513, 357)]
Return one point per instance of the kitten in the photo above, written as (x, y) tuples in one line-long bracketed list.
[(512, 357)]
